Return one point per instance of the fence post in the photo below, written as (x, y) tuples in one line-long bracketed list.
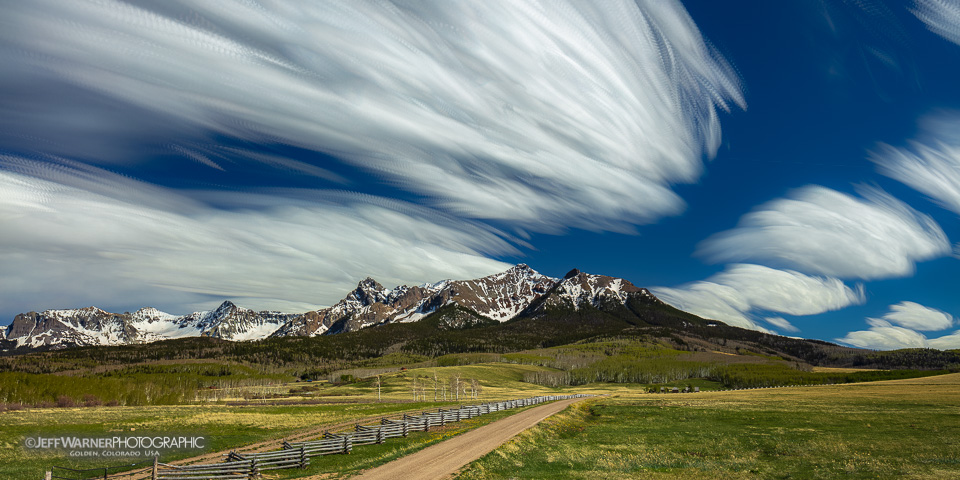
[(105, 477), (406, 428), (303, 457), (153, 475), (254, 471)]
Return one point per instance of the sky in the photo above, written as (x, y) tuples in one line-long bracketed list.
[(790, 167)]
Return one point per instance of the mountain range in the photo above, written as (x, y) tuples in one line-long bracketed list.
[(492, 299)]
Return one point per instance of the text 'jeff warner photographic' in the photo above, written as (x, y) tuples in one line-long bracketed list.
[(116, 445)]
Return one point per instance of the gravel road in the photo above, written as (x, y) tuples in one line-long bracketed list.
[(445, 459)]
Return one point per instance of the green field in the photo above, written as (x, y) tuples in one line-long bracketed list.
[(234, 426), (892, 429), (855, 430)]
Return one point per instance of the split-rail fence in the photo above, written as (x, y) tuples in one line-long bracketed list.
[(251, 465)]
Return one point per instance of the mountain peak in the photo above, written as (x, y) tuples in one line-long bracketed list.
[(226, 305), (571, 274), (152, 314), (368, 292), (368, 284)]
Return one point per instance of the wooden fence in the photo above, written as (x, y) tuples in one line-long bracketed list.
[(250, 465)]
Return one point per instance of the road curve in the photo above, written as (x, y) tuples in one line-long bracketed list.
[(448, 457)]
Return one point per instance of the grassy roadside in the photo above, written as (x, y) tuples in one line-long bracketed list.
[(366, 457), (894, 429), (224, 427), (231, 426)]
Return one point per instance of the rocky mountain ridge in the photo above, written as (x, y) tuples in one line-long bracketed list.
[(499, 297)]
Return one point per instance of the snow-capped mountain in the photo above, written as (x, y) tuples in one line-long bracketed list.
[(578, 289), (499, 297), (93, 326), (231, 322), (83, 326)]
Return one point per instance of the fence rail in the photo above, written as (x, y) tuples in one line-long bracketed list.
[(249, 465), (230, 470)]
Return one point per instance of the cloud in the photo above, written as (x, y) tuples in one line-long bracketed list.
[(932, 165), (941, 17), (884, 336), (946, 342), (918, 317), (543, 115), (732, 295), (821, 231), (781, 323), (74, 235), (898, 329)]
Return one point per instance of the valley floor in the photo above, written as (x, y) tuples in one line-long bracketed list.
[(890, 429)]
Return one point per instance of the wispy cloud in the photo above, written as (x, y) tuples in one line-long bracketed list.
[(941, 17), (741, 290), (542, 115), (781, 323), (821, 231), (76, 235), (930, 165), (918, 317), (898, 329), (884, 336)]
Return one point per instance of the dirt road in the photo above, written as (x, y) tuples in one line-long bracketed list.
[(446, 458), (267, 445)]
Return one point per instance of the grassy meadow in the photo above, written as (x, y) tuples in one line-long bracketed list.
[(890, 429), (224, 427), (799, 432), (229, 426)]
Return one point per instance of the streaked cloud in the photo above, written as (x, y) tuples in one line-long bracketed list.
[(898, 329), (918, 317), (73, 235), (781, 323), (741, 290), (821, 231), (946, 342), (541, 115), (884, 336), (930, 165), (941, 17)]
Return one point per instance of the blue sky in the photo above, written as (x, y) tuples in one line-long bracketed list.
[(785, 166)]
